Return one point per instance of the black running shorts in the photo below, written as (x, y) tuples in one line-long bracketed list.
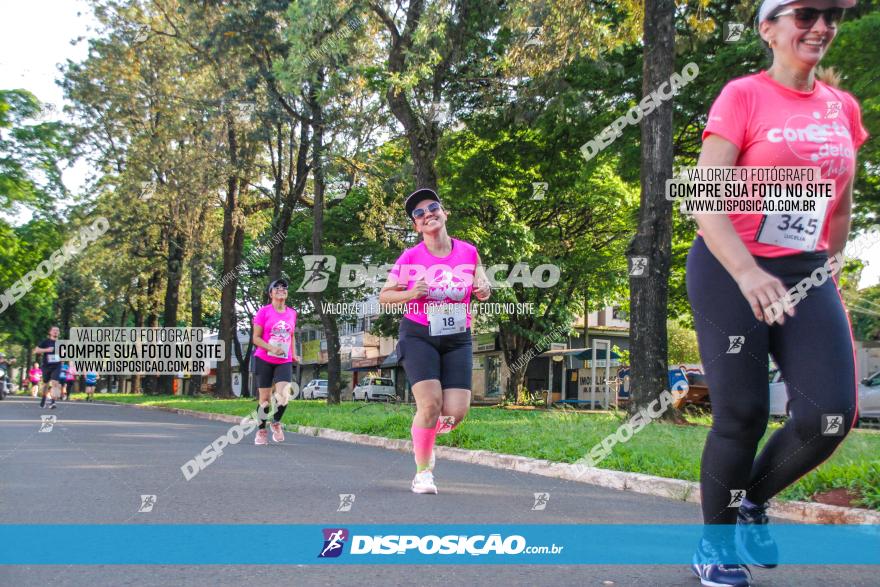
[(447, 358), (268, 374)]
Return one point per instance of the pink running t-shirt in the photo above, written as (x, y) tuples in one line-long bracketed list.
[(773, 125), (278, 329), (450, 278)]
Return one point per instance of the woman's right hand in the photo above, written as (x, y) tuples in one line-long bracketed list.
[(761, 291), (419, 290)]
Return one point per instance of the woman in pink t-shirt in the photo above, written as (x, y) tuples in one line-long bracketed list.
[(69, 382), (274, 324), (747, 272), (35, 374), (435, 279)]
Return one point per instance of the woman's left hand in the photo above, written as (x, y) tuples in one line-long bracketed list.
[(482, 290)]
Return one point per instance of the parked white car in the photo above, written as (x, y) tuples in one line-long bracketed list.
[(315, 389), (374, 388), (778, 394), (869, 397)]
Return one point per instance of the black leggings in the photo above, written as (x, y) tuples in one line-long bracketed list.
[(814, 352)]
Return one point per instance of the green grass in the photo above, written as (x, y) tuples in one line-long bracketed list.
[(661, 449)]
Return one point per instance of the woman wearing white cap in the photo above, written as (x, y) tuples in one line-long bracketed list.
[(741, 265)]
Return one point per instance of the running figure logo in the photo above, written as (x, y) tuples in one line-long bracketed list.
[(541, 500), (447, 423), (733, 31), (736, 344), (534, 36), (47, 423), (833, 109), (832, 424), (317, 275), (147, 503), (346, 500), (736, 497), (539, 188), (334, 540), (638, 266)]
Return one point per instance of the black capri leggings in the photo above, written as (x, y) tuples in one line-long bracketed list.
[(814, 352), (448, 358)]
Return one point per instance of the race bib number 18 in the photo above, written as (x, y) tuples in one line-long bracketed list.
[(283, 343), (446, 322)]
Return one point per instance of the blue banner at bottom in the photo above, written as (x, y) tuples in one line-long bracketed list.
[(247, 544)]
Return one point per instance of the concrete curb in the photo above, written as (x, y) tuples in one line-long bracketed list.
[(798, 511)]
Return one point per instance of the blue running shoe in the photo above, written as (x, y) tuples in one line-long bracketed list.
[(753, 540), (710, 567)]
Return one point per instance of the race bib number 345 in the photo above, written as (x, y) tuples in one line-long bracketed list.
[(793, 231)]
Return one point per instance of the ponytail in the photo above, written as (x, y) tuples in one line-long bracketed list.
[(828, 76)]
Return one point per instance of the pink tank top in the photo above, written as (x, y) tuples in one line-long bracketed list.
[(450, 278)]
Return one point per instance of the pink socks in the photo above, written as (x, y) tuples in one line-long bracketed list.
[(423, 445)]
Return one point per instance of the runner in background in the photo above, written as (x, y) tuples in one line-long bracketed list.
[(70, 388), (91, 382), (62, 379), (434, 338), (35, 374), (51, 368), (274, 325), (740, 265)]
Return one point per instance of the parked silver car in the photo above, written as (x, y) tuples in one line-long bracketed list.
[(778, 394), (315, 389), (869, 397)]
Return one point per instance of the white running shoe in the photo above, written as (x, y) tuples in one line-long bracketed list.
[(262, 437), (424, 482), (277, 432)]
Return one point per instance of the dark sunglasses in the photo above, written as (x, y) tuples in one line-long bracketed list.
[(419, 212), (805, 18), (284, 287)]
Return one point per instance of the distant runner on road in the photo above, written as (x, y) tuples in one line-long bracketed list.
[(35, 375), (51, 368), (91, 382)]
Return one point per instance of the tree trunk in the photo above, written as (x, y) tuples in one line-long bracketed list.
[(151, 382), (649, 291), (174, 269), (513, 348), (247, 376), (135, 379), (197, 284), (290, 183), (334, 365), (233, 239), (423, 140)]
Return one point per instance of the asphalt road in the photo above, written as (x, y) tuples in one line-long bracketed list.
[(100, 458)]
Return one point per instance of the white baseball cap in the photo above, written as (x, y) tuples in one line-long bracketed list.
[(768, 7)]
